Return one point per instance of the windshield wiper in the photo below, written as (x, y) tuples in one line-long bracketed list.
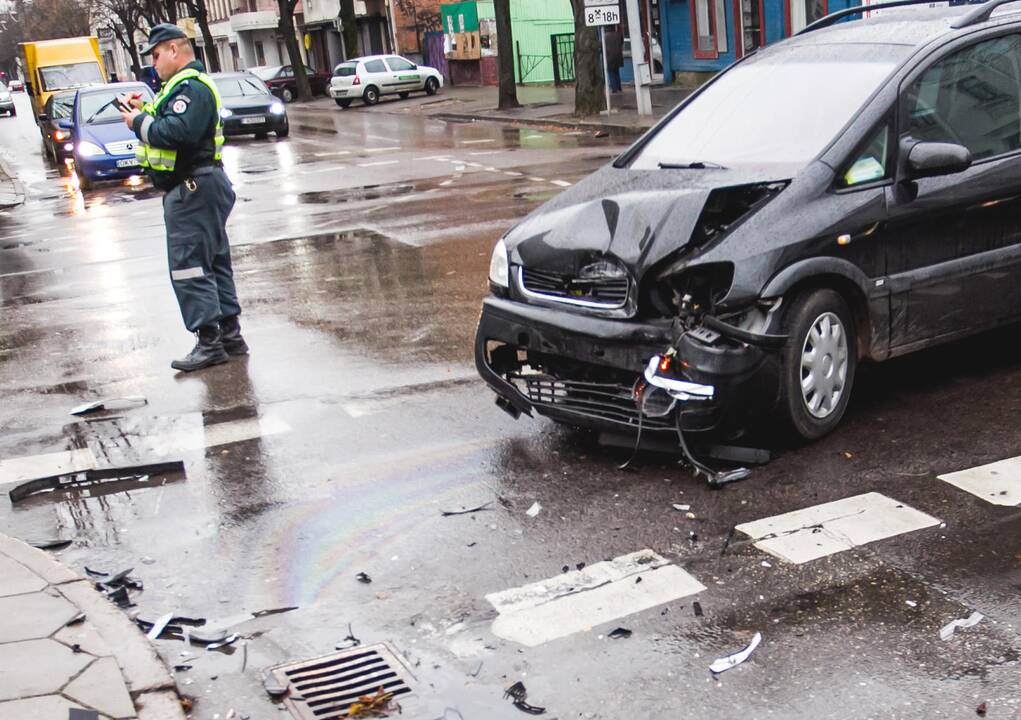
[(96, 114), (695, 165)]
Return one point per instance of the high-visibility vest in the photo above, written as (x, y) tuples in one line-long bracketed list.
[(163, 159)]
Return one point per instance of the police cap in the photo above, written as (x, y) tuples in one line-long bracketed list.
[(162, 33)]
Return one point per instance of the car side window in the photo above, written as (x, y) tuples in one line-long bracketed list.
[(375, 66), (872, 163), (399, 64), (971, 98), (287, 72)]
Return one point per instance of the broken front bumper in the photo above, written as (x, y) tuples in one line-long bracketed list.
[(584, 371)]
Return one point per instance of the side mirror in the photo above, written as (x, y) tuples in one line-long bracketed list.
[(43, 117), (933, 159)]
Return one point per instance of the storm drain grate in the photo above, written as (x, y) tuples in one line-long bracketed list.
[(324, 688)]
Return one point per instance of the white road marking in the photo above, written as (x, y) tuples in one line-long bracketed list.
[(473, 164), (833, 527), (331, 154), (380, 137), (491, 169), (998, 483), (575, 601), (386, 149), (438, 158), (445, 183), (46, 465), (459, 168), (537, 179), (561, 183), (377, 164), (477, 142), (480, 153), (511, 173)]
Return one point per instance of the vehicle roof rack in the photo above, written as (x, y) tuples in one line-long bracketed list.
[(979, 14)]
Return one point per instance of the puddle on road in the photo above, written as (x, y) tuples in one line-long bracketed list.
[(367, 192)]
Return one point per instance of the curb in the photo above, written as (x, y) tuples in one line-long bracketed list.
[(18, 190), (147, 680), (622, 131)]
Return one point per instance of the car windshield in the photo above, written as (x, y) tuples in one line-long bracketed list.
[(62, 106), (265, 73), (91, 106), (240, 87), (346, 70), (61, 77), (782, 108)]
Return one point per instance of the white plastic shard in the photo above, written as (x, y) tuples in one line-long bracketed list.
[(680, 389), (948, 630), (998, 483), (732, 661), (534, 510)]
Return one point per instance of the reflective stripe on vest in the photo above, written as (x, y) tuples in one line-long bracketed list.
[(163, 159)]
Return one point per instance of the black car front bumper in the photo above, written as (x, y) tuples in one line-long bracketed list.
[(237, 125), (583, 370)]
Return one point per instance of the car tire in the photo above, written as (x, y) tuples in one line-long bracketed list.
[(344, 103), (261, 135), (818, 364), (287, 96), (403, 95), (83, 182), (283, 131), (431, 86), (371, 95)]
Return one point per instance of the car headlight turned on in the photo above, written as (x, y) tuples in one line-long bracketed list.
[(61, 135), (499, 270), (277, 108), (88, 149), (226, 112)]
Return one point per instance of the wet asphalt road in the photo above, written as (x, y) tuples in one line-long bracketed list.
[(361, 249)]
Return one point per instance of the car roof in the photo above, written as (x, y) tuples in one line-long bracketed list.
[(95, 89), (233, 75)]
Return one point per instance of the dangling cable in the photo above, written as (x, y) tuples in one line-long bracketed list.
[(640, 404)]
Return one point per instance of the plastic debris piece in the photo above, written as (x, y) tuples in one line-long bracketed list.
[(183, 667), (475, 673), (766, 564), (480, 508), (681, 508), (95, 478), (95, 573), (732, 661), (119, 596), (119, 578), (947, 631), (534, 510), (120, 403), (273, 687), (620, 634), (76, 620), (911, 603), (698, 608), (982, 709), (207, 636), (51, 544), (229, 640), (350, 641), (363, 578), (273, 611), (159, 626), (518, 695)]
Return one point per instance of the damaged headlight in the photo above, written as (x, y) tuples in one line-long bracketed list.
[(499, 269)]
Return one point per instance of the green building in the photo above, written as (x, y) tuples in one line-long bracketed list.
[(533, 23)]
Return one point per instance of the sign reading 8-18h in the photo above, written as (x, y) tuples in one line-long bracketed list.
[(602, 12)]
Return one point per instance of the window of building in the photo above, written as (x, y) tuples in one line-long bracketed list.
[(802, 13), (704, 31), (260, 53)]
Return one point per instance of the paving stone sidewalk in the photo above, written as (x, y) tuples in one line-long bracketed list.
[(11, 191), (48, 667)]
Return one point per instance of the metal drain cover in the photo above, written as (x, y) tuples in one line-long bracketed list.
[(323, 688)]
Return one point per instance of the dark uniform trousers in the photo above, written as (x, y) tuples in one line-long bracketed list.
[(195, 213)]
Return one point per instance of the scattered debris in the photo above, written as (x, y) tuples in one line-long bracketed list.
[(682, 508), (121, 403), (363, 578), (244, 656), (518, 695), (350, 641), (472, 544), (766, 564), (620, 634), (51, 543), (377, 705), (208, 636), (273, 687), (982, 709), (698, 608), (580, 566), (183, 667), (119, 596), (230, 640), (475, 673), (76, 620), (480, 508), (133, 474), (159, 626), (732, 661), (95, 573), (947, 631), (638, 579), (273, 611), (76, 648), (534, 510), (911, 603)]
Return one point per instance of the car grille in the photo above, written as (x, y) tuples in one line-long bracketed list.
[(602, 292), (127, 147), (607, 401), (261, 110)]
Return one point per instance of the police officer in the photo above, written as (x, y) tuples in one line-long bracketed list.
[(182, 137)]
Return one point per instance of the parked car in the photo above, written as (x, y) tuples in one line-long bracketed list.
[(249, 107), (104, 147), (369, 78), (55, 126), (852, 193), (282, 83), (7, 101), (17, 85)]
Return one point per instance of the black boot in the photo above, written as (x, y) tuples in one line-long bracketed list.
[(230, 330), (207, 351)]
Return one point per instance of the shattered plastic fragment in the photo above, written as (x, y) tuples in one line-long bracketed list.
[(682, 508), (51, 544), (363, 578), (230, 640), (534, 510), (982, 709), (732, 661), (159, 626), (273, 611), (121, 403), (207, 636), (350, 641), (947, 631), (273, 687), (480, 508), (77, 619), (620, 634), (518, 694), (698, 608)]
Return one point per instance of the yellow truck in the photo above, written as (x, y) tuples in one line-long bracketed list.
[(54, 65)]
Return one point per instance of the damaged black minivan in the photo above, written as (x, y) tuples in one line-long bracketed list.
[(852, 193)]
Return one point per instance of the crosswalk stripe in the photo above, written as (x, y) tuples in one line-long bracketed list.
[(998, 483), (833, 527)]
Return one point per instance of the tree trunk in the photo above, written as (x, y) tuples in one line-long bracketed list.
[(286, 27), (588, 68), (505, 55), (202, 17), (349, 27)]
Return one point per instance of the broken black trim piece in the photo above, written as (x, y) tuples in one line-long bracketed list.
[(72, 480), (773, 342)]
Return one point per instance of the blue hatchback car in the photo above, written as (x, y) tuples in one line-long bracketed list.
[(104, 147)]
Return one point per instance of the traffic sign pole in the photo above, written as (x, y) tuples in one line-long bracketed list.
[(606, 65)]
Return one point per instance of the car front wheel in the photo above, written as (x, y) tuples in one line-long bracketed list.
[(371, 95), (287, 95), (818, 364), (431, 86)]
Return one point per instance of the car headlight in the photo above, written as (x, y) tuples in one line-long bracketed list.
[(499, 270), (61, 135), (226, 112), (277, 108), (87, 149)]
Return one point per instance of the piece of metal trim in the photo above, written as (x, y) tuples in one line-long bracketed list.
[(566, 301)]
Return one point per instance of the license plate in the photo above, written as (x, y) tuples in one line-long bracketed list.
[(131, 162), (253, 120), (339, 92)]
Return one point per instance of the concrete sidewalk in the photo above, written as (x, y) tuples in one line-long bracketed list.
[(48, 666), (12, 193), (542, 106)]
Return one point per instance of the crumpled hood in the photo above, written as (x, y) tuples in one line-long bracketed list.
[(637, 216)]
